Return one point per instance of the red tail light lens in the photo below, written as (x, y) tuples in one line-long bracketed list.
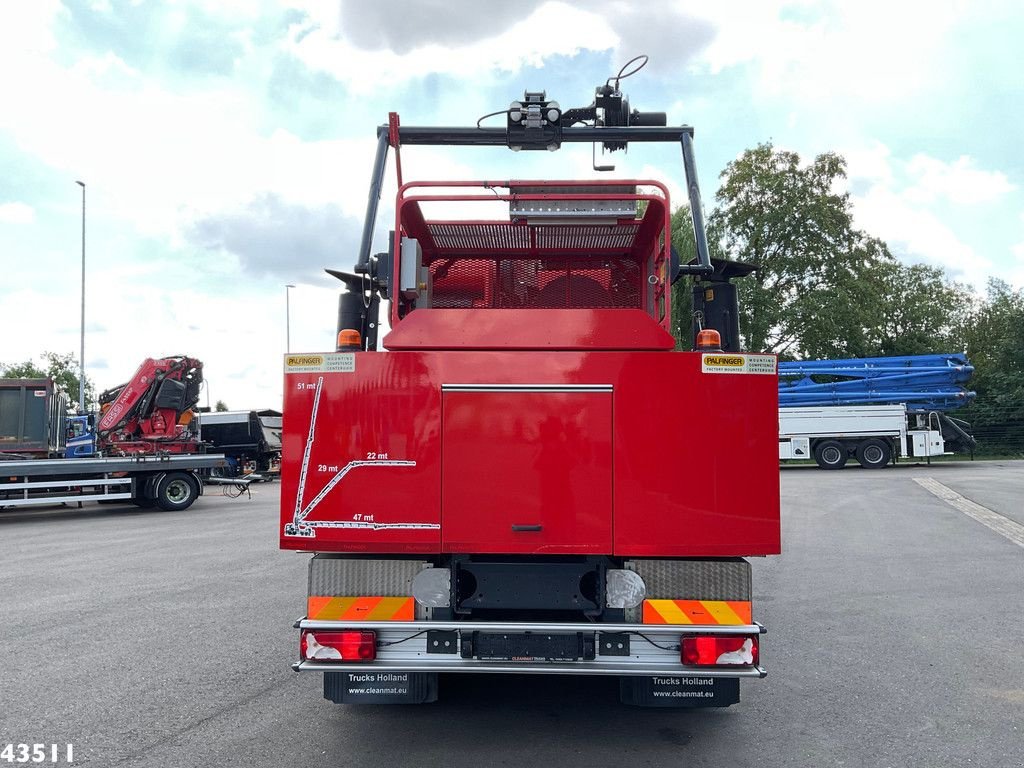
[(719, 650), (339, 646)]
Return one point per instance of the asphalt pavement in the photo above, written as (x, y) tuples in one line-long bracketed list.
[(150, 638)]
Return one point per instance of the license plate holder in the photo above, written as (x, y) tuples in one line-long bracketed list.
[(529, 646)]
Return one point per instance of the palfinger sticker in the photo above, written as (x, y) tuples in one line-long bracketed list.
[(735, 362), (329, 362)]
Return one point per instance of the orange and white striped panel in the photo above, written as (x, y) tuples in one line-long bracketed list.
[(361, 608), (697, 612)]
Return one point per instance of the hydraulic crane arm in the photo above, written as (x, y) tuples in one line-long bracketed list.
[(151, 404)]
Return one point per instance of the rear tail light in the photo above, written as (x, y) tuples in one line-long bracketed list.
[(719, 650), (338, 646)]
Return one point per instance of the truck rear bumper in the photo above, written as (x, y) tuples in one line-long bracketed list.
[(617, 649)]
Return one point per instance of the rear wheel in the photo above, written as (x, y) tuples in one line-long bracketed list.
[(873, 453), (830, 454), (177, 491)]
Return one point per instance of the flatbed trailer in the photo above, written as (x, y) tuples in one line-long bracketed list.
[(171, 482)]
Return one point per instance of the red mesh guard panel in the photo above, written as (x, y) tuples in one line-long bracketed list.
[(545, 283)]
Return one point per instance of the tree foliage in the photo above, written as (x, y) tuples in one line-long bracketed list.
[(220, 406), (810, 295), (992, 334), (62, 368), (824, 289), (682, 296)]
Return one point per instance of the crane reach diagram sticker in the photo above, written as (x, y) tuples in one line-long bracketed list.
[(302, 527), (734, 362)]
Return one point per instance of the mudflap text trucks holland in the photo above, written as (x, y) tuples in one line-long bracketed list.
[(530, 479)]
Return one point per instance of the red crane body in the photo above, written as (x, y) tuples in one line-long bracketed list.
[(152, 411)]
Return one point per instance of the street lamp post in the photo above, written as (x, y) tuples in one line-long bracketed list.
[(288, 317), (81, 353)]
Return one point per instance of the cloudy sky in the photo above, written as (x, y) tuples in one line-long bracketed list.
[(226, 144)]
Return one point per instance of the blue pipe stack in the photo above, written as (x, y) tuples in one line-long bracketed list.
[(922, 382)]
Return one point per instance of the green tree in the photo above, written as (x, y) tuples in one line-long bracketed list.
[(220, 405), (63, 369), (682, 296), (809, 295), (920, 310), (26, 370), (992, 333)]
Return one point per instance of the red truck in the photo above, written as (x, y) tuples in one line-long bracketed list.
[(530, 479)]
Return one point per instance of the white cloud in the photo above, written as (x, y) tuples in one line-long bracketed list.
[(899, 201), (915, 232), (553, 28), (958, 182), (17, 213), (864, 53), (871, 163)]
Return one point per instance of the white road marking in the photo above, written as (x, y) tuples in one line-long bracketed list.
[(1002, 525)]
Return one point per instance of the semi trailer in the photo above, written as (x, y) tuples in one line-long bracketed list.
[(528, 478)]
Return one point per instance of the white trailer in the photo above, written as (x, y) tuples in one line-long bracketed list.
[(872, 434), (171, 482)]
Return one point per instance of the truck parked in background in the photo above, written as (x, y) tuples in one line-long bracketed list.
[(530, 479), (249, 440), (874, 410), (873, 434), (141, 447)]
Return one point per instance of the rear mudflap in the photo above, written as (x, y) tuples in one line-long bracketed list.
[(380, 687)]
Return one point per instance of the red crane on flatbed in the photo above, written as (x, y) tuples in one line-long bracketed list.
[(152, 411), (530, 478)]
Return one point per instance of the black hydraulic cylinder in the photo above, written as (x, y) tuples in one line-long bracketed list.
[(376, 182), (703, 266), (716, 302), (718, 305), (354, 314)]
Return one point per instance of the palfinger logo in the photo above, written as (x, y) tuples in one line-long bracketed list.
[(727, 361), (303, 360)]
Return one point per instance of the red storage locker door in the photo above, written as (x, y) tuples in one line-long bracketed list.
[(527, 469)]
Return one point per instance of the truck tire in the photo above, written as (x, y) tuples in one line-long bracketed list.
[(176, 491), (873, 453), (830, 454)]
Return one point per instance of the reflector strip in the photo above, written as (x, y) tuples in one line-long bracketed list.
[(697, 612), (361, 608)]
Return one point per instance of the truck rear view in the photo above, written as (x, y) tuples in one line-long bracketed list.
[(529, 478)]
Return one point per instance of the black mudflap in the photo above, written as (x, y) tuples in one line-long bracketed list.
[(379, 687), (679, 691)]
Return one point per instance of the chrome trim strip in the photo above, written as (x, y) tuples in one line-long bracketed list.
[(44, 500), (526, 388), (439, 663), (510, 626)]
